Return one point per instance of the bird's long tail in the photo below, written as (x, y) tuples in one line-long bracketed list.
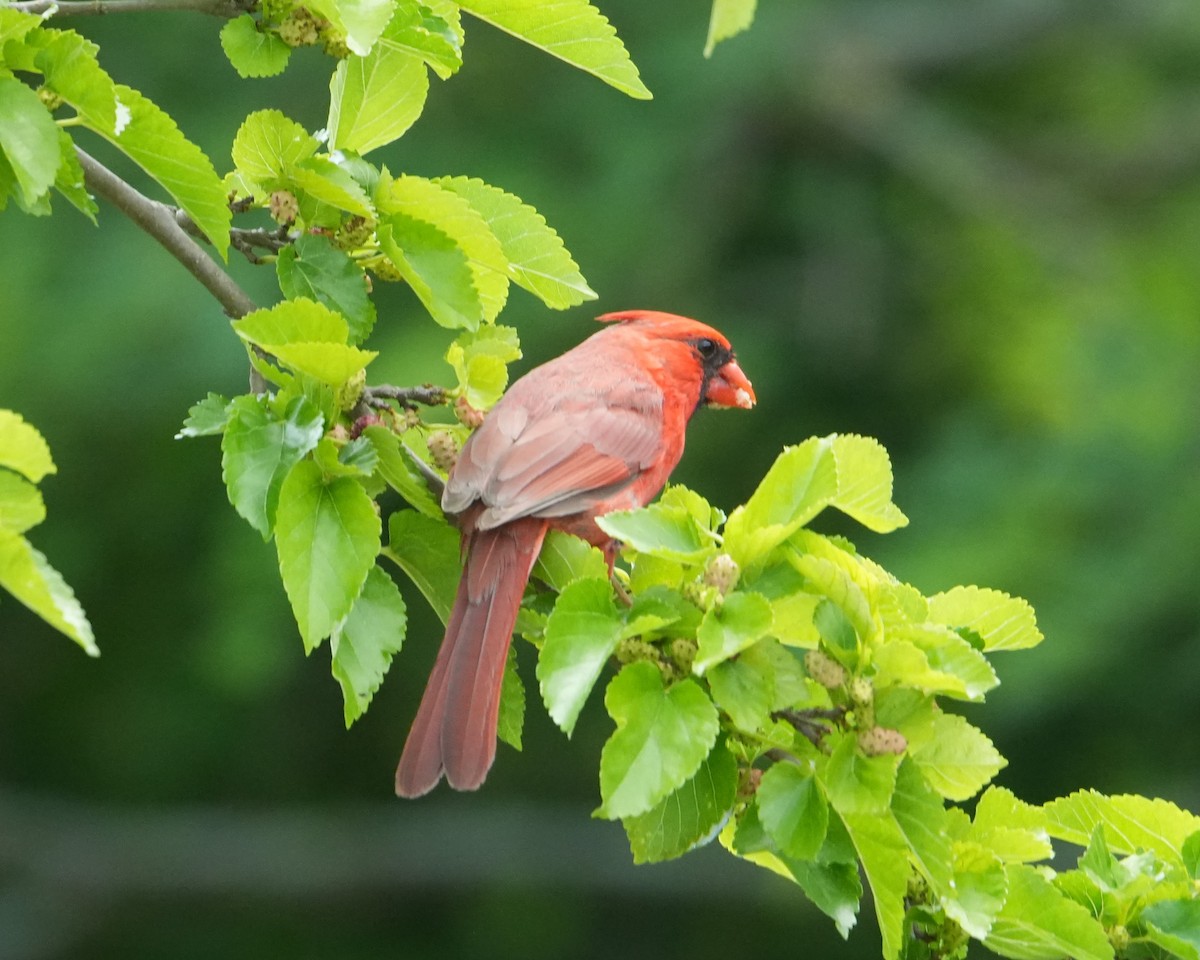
[(455, 729)]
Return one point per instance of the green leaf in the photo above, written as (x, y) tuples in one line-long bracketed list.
[(1131, 823), (71, 70), (793, 810), (435, 268), (537, 259), (743, 689), (662, 529), (396, 468), (21, 504), (662, 738), (28, 576), (308, 337), (425, 200), (362, 21), (1191, 855), (259, 449), (324, 190), (797, 487), (921, 816), (15, 24), (582, 633), (23, 449), (205, 417), (268, 145), (689, 816), (69, 181), (1014, 830), (374, 99), (572, 30), (957, 760), (1000, 621), (512, 703), (849, 472), (857, 784), (480, 360), (315, 269), (363, 644), (1175, 926), (28, 139), (565, 559), (738, 623), (152, 140), (884, 854), (865, 483), (427, 549), (327, 536), (728, 19), (1038, 923), (419, 30), (251, 51)]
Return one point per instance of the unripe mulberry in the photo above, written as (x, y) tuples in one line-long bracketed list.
[(384, 269), (824, 669), (861, 691), (283, 206), (722, 572), (878, 741), (468, 416), (632, 649), (683, 652), (354, 232), (300, 29), (444, 449)]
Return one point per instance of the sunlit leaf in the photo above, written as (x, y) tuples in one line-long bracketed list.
[(739, 622), (689, 816), (361, 646), (582, 633), (268, 144), (728, 19), (572, 30), (28, 576), (21, 504), (251, 51), (374, 99), (793, 810), (427, 550), (1038, 923), (662, 738), (23, 449), (958, 760), (327, 537), (28, 139), (1001, 621), (435, 268), (537, 259)]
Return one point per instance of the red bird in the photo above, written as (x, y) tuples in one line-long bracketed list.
[(598, 429)]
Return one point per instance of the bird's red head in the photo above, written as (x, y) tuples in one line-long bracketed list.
[(725, 385)]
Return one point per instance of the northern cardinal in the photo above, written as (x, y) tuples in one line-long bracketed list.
[(598, 429)]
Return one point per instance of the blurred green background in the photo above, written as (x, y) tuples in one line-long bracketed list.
[(970, 229)]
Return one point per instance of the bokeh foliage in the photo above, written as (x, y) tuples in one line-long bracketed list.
[(968, 232)]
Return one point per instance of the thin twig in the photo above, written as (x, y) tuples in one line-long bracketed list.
[(427, 394), (158, 220), (809, 722), (92, 8), (245, 240)]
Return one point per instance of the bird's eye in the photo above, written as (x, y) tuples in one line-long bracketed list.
[(706, 348)]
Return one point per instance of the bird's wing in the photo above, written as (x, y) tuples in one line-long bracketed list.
[(554, 449)]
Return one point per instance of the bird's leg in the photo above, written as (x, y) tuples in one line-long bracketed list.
[(610, 550)]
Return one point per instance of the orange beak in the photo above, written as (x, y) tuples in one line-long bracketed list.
[(730, 388)]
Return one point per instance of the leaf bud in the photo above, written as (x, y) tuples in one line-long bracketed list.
[(824, 669)]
